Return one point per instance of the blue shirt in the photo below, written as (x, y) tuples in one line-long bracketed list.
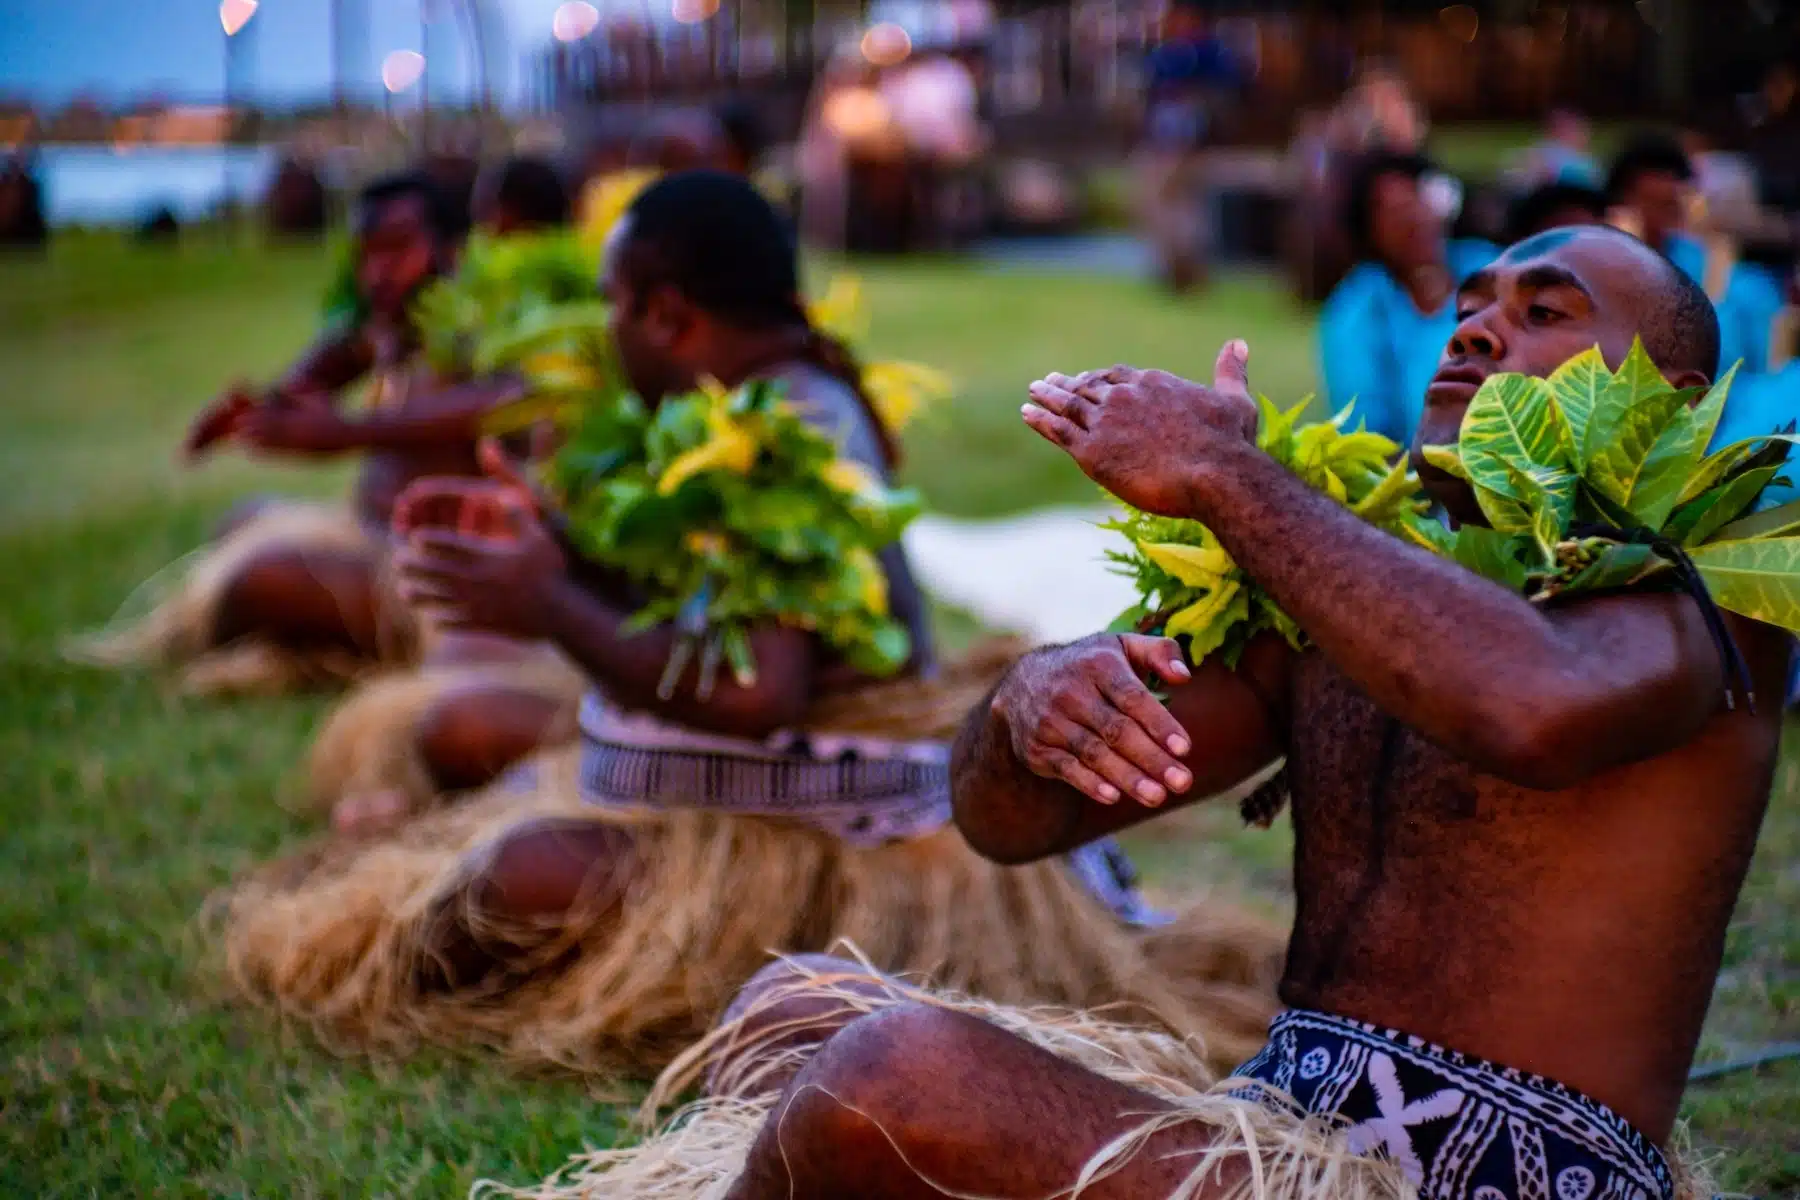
[(1762, 404), (1753, 295), (1378, 350)]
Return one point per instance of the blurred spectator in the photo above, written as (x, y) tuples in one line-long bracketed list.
[(159, 226), (520, 195), (683, 139), (455, 174), (935, 104), (297, 204), (849, 131), (1192, 74), (1378, 115), (1552, 206), (1564, 155), (1773, 141), (21, 204), (746, 139), (1385, 326)]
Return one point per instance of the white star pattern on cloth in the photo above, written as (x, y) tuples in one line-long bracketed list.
[(1388, 1131)]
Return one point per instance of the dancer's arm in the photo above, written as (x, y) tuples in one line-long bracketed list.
[(452, 416), (1542, 697), (1072, 746)]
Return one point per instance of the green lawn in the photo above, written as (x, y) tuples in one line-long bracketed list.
[(122, 1071)]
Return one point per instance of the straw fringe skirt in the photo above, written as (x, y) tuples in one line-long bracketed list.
[(335, 937), (177, 630), (370, 742), (1270, 1150)]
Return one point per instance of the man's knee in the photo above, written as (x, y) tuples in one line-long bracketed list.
[(469, 737), (306, 600), (534, 876), (550, 867), (788, 1006), (871, 1091)]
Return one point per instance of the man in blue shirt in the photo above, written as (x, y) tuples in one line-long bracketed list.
[(1384, 327), (1191, 72)]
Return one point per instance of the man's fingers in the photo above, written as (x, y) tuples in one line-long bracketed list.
[(1061, 401), (502, 469), (1085, 738), (1051, 427), (1231, 372), (1068, 768), (1155, 658)]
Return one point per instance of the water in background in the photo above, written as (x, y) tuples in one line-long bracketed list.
[(98, 185)]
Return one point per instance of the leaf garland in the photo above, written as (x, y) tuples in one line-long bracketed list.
[(1189, 587), (1591, 480)]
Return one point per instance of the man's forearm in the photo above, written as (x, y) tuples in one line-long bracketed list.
[(455, 417), (592, 631), (329, 366), (1447, 652), (1006, 812)]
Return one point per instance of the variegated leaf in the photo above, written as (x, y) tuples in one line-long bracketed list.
[(1698, 520), (1511, 420), (1576, 386), (1548, 495), (1775, 522), (1446, 459), (1634, 417), (1636, 380), (1667, 466), (1756, 579)]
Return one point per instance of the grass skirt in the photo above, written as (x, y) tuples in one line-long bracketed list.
[(370, 740), (700, 1152), (333, 937), (177, 630)]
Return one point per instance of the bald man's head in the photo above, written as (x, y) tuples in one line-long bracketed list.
[(1552, 297)]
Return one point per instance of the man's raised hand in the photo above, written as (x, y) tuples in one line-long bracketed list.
[(1141, 434), (1082, 713)]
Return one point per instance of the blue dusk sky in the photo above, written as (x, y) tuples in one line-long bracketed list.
[(53, 50)]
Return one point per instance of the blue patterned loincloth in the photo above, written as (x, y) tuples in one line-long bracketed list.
[(1458, 1127)]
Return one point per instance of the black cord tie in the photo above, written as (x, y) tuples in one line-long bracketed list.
[(1737, 672)]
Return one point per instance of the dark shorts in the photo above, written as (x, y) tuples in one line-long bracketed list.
[(1459, 1127)]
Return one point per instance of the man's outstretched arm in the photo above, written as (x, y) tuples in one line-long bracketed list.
[(1542, 697), (1072, 745)]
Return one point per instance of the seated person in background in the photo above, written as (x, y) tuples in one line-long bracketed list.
[(294, 593), (1384, 326), (601, 905), (1565, 155), (1650, 189), (1456, 755), (1553, 206), (521, 195)]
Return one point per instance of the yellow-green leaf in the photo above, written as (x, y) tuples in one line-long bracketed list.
[(1512, 420), (1207, 621), (1490, 554), (1389, 498), (1774, 522), (1757, 579), (1706, 419), (1548, 495), (1619, 565), (1630, 415), (1666, 468), (1575, 387), (1194, 566), (1700, 519), (1446, 459)]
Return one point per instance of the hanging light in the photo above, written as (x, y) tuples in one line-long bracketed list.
[(886, 44), (574, 21), (235, 14), (401, 69), (692, 12)]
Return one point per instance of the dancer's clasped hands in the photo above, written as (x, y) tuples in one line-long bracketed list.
[(1141, 434)]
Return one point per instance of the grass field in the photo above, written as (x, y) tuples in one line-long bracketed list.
[(123, 1072)]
